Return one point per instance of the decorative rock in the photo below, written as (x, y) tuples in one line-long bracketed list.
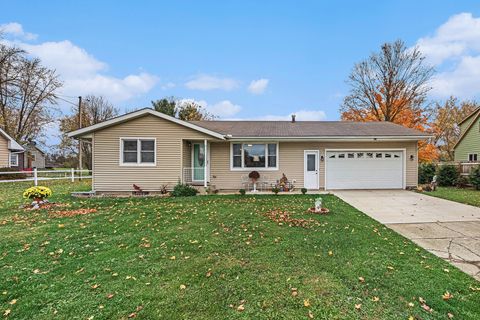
[(36, 207)]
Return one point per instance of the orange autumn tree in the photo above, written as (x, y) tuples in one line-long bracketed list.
[(392, 85), (416, 119)]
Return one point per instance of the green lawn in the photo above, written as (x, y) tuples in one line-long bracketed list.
[(203, 257), (467, 196)]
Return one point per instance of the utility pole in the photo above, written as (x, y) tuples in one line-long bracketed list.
[(80, 144)]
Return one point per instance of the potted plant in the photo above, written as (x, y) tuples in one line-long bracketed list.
[(254, 176), (38, 194)]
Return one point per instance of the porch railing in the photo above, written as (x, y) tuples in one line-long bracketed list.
[(465, 168), (194, 175)]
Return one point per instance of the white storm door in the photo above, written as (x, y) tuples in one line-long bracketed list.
[(311, 170)]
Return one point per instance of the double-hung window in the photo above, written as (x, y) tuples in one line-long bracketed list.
[(254, 156), (138, 151), (472, 157), (14, 159)]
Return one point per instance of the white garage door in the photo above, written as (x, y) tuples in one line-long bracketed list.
[(364, 169)]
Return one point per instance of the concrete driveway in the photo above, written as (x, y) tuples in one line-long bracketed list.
[(447, 229)]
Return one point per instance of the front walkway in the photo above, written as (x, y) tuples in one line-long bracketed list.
[(448, 229)]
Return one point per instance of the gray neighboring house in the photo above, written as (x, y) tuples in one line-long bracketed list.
[(33, 157)]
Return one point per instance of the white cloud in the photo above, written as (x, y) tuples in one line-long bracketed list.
[(83, 74), (459, 35), (207, 82), (168, 85), (258, 86), (222, 109), (301, 115), (454, 50), (15, 29), (462, 81)]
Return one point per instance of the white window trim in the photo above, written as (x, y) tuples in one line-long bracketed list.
[(276, 168), (472, 154), (138, 164), (10, 160)]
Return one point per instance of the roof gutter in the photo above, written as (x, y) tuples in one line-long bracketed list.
[(338, 138)]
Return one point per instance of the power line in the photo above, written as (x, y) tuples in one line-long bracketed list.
[(72, 103)]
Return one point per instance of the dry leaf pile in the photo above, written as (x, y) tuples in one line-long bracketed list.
[(285, 217)]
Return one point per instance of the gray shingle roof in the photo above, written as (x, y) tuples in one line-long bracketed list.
[(308, 129)]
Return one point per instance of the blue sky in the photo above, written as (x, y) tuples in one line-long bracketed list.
[(242, 59)]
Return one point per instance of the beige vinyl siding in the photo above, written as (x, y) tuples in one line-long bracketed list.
[(291, 161), (110, 176), (4, 152), (470, 143)]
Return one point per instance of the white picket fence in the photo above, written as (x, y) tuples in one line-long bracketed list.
[(41, 175)]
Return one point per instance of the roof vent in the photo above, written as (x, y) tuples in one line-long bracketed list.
[(293, 118)]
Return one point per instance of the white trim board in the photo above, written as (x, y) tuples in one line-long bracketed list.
[(137, 114)]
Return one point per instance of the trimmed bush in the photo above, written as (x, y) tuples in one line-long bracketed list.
[(13, 176), (447, 175), (242, 192), (462, 182), (475, 177), (426, 171), (304, 190), (184, 190), (275, 190)]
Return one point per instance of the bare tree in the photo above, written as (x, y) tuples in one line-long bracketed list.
[(387, 83), (27, 94), (96, 109)]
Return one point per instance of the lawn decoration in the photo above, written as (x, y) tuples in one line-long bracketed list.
[(318, 207), (254, 176), (39, 196)]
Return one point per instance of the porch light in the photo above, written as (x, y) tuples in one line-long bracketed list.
[(322, 158), (412, 157)]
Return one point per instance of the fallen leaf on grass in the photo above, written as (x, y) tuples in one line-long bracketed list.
[(447, 296), (426, 308), (358, 306), (294, 292), (375, 299), (450, 315), (110, 296), (13, 301), (310, 314), (7, 312), (183, 287), (306, 303), (241, 308), (330, 253), (361, 279), (95, 286), (72, 213)]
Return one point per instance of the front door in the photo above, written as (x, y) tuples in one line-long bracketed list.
[(311, 179), (198, 162)]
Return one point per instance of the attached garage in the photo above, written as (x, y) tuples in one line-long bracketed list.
[(365, 169)]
